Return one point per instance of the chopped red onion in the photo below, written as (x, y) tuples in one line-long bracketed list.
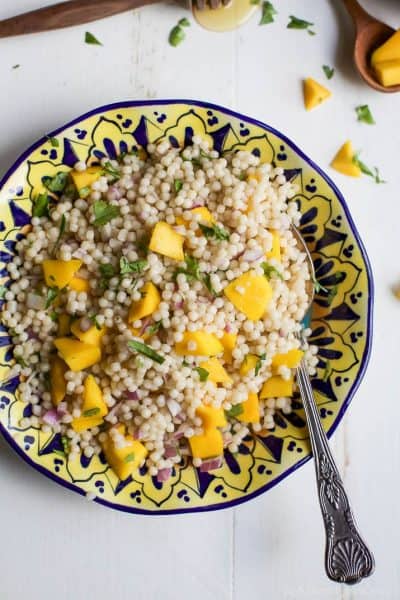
[(32, 335), (164, 475), (113, 194), (178, 305), (138, 434), (228, 328), (131, 395), (144, 326), (211, 464), (52, 416), (196, 205), (170, 452)]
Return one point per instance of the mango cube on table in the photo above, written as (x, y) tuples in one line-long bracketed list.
[(314, 93), (343, 162)]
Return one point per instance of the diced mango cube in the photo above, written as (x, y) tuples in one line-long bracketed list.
[(93, 406), (390, 50), (146, 305), (64, 322), (249, 363), (166, 241), (388, 72), (77, 354), (291, 359), (251, 410), (228, 341), (205, 215), (275, 251), (84, 179), (199, 343), (80, 424), (58, 273), (276, 387), (216, 372), (79, 285), (250, 293), (212, 417), (125, 460), (58, 386), (314, 93), (207, 445), (343, 161), (91, 336)]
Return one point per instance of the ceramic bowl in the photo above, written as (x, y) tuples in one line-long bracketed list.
[(341, 314)]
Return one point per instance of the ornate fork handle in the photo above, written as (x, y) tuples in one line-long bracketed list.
[(347, 558)]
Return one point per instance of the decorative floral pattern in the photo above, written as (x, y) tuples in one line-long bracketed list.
[(341, 319)]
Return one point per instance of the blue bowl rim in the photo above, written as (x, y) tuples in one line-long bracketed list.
[(368, 346)]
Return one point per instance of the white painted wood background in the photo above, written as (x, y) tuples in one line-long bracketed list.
[(54, 544)]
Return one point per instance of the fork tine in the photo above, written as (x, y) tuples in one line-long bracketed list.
[(213, 4), (200, 4)]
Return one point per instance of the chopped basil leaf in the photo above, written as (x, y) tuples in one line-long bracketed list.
[(208, 284), (104, 213), (178, 185), (256, 2), (95, 322), (332, 293), (41, 206), (269, 270), (329, 71), (268, 13), (107, 271), (366, 170), (296, 23), (203, 373), (91, 39), (54, 316), (91, 412), (318, 287), (57, 183), (176, 36), (16, 66), (184, 22), (84, 192), (364, 114), (153, 328), (63, 224), (259, 363), (146, 351), (3, 291), (235, 411), (327, 371), (129, 457), (214, 231), (191, 270), (54, 142), (52, 294), (108, 169), (19, 360), (137, 266)]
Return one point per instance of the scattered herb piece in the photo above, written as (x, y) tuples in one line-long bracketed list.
[(54, 316), (269, 270), (235, 411), (176, 36), (41, 206), (84, 192), (137, 266), (203, 373), (52, 294), (91, 39), (95, 322), (327, 371), (3, 291), (318, 287), (107, 271), (16, 66), (54, 142), (108, 169), (152, 329), (146, 351), (61, 231), (184, 22), (91, 412), (329, 71), (256, 2), (129, 457), (268, 13), (332, 293), (19, 360), (178, 185), (104, 213), (364, 114), (209, 285), (366, 170), (191, 270), (259, 363), (214, 231), (296, 23), (57, 183), (65, 443)]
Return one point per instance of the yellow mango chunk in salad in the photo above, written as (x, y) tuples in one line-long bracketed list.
[(276, 387), (91, 336), (146, 305), (207, 445), (77, 354), (251, 410), (215, 370), (212, 417), (58, 386), (291, 359), (250, 294), (166, 241), (199, 343), (58, 273), (124, 460)]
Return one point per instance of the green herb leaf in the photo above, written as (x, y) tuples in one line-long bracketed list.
[(255, 2), (327, 371), (178, 185), (137, 266), (84, 192), (235, 411), (184, 22), (192, 269), (269, 271), (108, 169), (91, 39), (16, 66), (214, 231), (54, 142), (61, 231), (152, 329), (107, 271), (203, 373), (57, 183), (95, 322), (364, 114), (52, 294), (41, 206), (366, 170), (259, 363), (318, 287), (91, 412), (296, 23), (329, 71), (268, 13), (19, 360), (129, 457), (208, 284), (332, 293), (3, 290), (104, 213), (176, 36), (65, 443), (377, 176), (146, 351), (54, 316)]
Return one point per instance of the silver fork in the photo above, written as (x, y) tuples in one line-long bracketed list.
[(347, 557)]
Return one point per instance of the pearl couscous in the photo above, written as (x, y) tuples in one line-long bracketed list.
[(155, 306)]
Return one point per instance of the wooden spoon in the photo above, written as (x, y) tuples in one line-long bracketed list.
[(370, 33)]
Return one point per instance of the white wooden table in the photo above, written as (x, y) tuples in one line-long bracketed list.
[(55, 545)]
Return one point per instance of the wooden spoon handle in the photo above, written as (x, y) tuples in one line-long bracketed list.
[(65, 14), (358, 14)]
